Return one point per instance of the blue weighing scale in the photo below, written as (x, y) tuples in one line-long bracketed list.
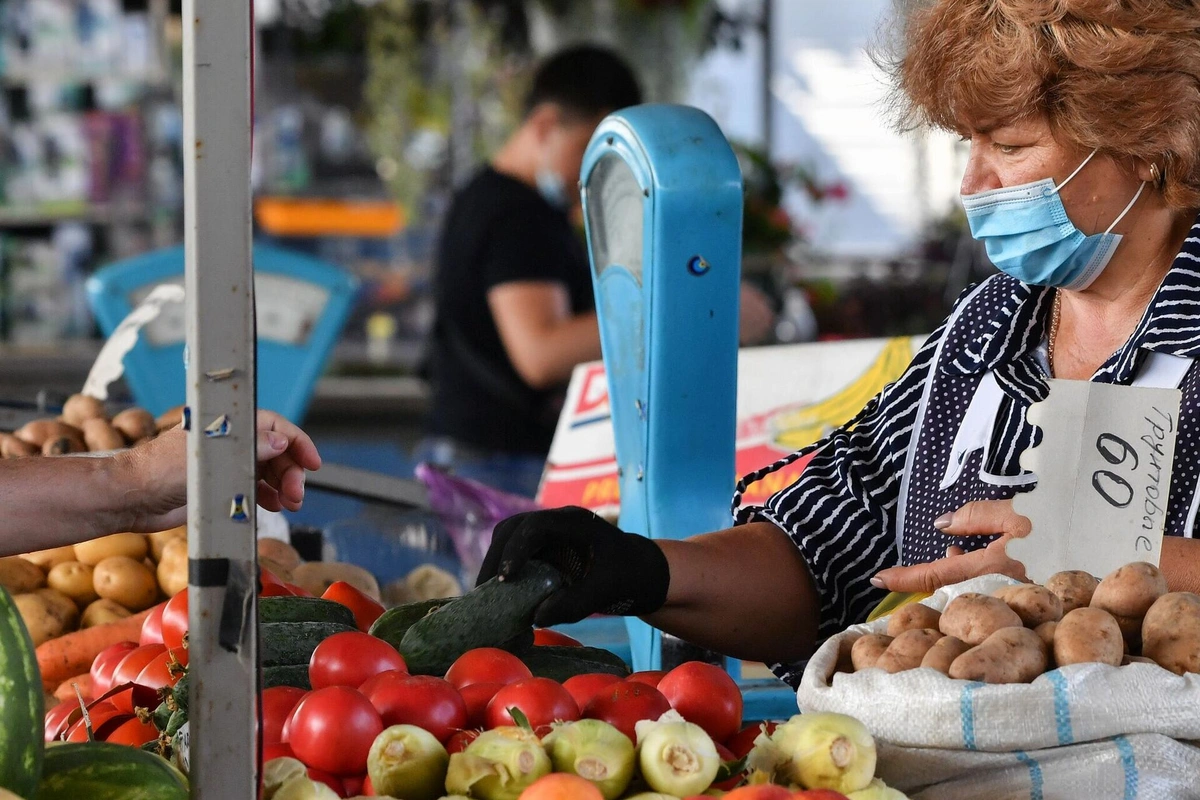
[(302, 304), (662, 200)]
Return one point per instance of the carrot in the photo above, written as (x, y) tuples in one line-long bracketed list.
[(66, 690), (73, 653)]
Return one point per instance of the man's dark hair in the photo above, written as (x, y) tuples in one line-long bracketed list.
[(586, 81)]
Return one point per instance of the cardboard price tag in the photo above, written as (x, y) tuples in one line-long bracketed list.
[(1104, 474)]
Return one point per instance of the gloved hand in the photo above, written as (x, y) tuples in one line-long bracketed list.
[(606, 570)]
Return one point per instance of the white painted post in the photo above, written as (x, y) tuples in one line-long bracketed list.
[(222, 559)]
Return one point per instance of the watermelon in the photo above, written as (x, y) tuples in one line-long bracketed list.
[(22, 704), (102, 771)]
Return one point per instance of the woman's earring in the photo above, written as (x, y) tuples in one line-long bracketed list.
[(1156, 174)]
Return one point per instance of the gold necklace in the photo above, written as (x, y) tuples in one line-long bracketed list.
[(1055, 314)]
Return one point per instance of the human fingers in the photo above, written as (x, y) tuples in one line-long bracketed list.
[(984, 517), (300, 445), (934, 575)]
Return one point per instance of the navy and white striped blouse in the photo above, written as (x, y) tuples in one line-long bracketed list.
[(842, 511)]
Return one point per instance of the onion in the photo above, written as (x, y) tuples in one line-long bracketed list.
[(825, 751), (596, 752), (677, 757), (303, 788), (498, 765), (409, 762), (279, 771)]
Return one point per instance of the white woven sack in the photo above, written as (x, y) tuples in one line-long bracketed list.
[(1078, 703), (1141, 767)]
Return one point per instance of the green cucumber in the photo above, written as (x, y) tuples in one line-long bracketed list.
[(282, 644), (294, 675), (176, 722), (490, 615), (560, 663), (22, 704), (102, 771), (519, 644), (303, 609), (180, 693), (395, 622)]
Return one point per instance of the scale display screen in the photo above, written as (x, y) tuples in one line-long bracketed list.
[(615, 216), (287, 310)]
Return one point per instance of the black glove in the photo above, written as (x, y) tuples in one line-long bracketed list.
[(606, 570)]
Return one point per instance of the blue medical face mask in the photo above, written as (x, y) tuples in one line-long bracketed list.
[(552, 188), (1028, 235)]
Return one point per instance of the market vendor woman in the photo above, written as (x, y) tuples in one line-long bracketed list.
[(1083, 182)]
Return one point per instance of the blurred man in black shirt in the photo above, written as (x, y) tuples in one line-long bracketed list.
[(512, 287)]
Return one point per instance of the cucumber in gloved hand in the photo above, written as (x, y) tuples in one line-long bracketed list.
[(494, 614)]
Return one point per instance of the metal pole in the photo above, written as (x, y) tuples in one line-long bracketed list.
[(222, 559)]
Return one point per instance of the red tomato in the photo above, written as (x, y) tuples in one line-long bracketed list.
[(366, 609), (546, 636), (541, 700), (584, 687), (135, 661), (277, 704), (459, 741), (274, 590), (133, 733), (57, 719), (332, 729), (104, 716), (487, 665), (350, 658), (429, 703), (332, 781), (650, 677), (368, 789), (352, 787), (476, 697), (152, 626), (175, 621), (387, 676), (106, 662), (625, 704), (161, 672), (276, 750), (705, 695), (299, 591), (742, 742)]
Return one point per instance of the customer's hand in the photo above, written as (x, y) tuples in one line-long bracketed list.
[(980, 518), (156, 472), (606, 570)]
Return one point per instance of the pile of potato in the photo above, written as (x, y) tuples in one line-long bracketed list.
[(92, 583), (84, 427), (1023, 631)]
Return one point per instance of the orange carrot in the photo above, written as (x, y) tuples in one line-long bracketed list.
[(66, 690), (73, 653)]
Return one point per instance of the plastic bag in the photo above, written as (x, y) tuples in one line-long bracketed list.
[(469, 510)]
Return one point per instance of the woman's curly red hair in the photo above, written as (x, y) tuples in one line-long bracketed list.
[(1119, 75)]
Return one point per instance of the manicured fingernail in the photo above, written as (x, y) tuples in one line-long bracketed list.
[(277, 440), (944, 521), (877, 582), (950, 551)]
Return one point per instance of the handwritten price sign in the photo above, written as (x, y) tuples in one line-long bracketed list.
[(1104, 472)]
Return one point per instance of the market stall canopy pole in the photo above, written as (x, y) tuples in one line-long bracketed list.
[(222, 567)]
